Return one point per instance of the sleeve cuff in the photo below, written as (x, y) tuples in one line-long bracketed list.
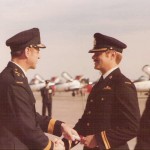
[(50, 146), (67, 144), (102, 140), (54, 127)]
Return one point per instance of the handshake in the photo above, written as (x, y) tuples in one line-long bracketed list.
[(71, 135), (59, 145)]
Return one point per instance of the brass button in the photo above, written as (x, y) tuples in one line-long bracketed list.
[(88, 124), (89, 112), (91, 100), (102, 99)]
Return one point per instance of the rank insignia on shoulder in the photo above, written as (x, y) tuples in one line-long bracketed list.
[(107, 88), (127, 82), (17, 73), (18, 82)]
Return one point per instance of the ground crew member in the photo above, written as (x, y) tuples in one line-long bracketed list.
[(46, 93), (111, 117), (21, 127), (143, 138)]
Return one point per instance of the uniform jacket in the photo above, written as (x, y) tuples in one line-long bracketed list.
[(143, 138), (21, 127), (46, 94), (111, 113)]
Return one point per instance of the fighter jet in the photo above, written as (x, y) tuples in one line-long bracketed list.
[(58, 85), (71, 84), (143, 83), (38, 82)]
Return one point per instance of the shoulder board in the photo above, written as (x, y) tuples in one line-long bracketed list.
[(18, 82), (19, 76), (128, 83)]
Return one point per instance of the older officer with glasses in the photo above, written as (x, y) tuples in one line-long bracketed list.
[(21, 127)]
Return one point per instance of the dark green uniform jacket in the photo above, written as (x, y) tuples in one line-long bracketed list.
[(143, 138), (112, 113), (21, 128)]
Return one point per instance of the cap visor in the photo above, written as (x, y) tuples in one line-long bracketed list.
[(97, 50), (41, 46)]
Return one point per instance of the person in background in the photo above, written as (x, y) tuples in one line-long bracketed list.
[(22, 128), (46, 93), (143, 138), (111, 116)]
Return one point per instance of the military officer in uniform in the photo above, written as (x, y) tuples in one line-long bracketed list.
[(143, 138), (111, 116), (21, 127), (46, 93)]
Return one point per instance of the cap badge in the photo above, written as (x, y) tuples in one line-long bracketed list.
[(94, 42)]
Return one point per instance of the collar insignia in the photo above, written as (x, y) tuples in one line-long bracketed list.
[(110, 77), (107, 88)]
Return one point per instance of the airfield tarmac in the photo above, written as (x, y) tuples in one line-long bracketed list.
[(69, 109)]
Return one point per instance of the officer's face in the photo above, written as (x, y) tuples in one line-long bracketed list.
[(34, 55), (102, 61)]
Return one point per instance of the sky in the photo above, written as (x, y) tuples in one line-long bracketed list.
[(67, 28)]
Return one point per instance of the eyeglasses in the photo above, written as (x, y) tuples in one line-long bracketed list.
[(100, 52), (33, 46)]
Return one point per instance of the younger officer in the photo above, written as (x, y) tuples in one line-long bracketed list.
[(21, 127), (46, 93), (111, 117), (143, 138)]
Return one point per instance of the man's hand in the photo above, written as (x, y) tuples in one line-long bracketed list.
[(58, 145), (69, 133), (89, 141)]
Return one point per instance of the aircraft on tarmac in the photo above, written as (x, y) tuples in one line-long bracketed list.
[(70, 84), (142, 86), (143, 83), (38, 82)]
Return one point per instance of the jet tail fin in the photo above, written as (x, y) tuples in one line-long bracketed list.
[(146, 69), (67, 76)]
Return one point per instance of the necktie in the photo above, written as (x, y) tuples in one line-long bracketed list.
[(101, 79)]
